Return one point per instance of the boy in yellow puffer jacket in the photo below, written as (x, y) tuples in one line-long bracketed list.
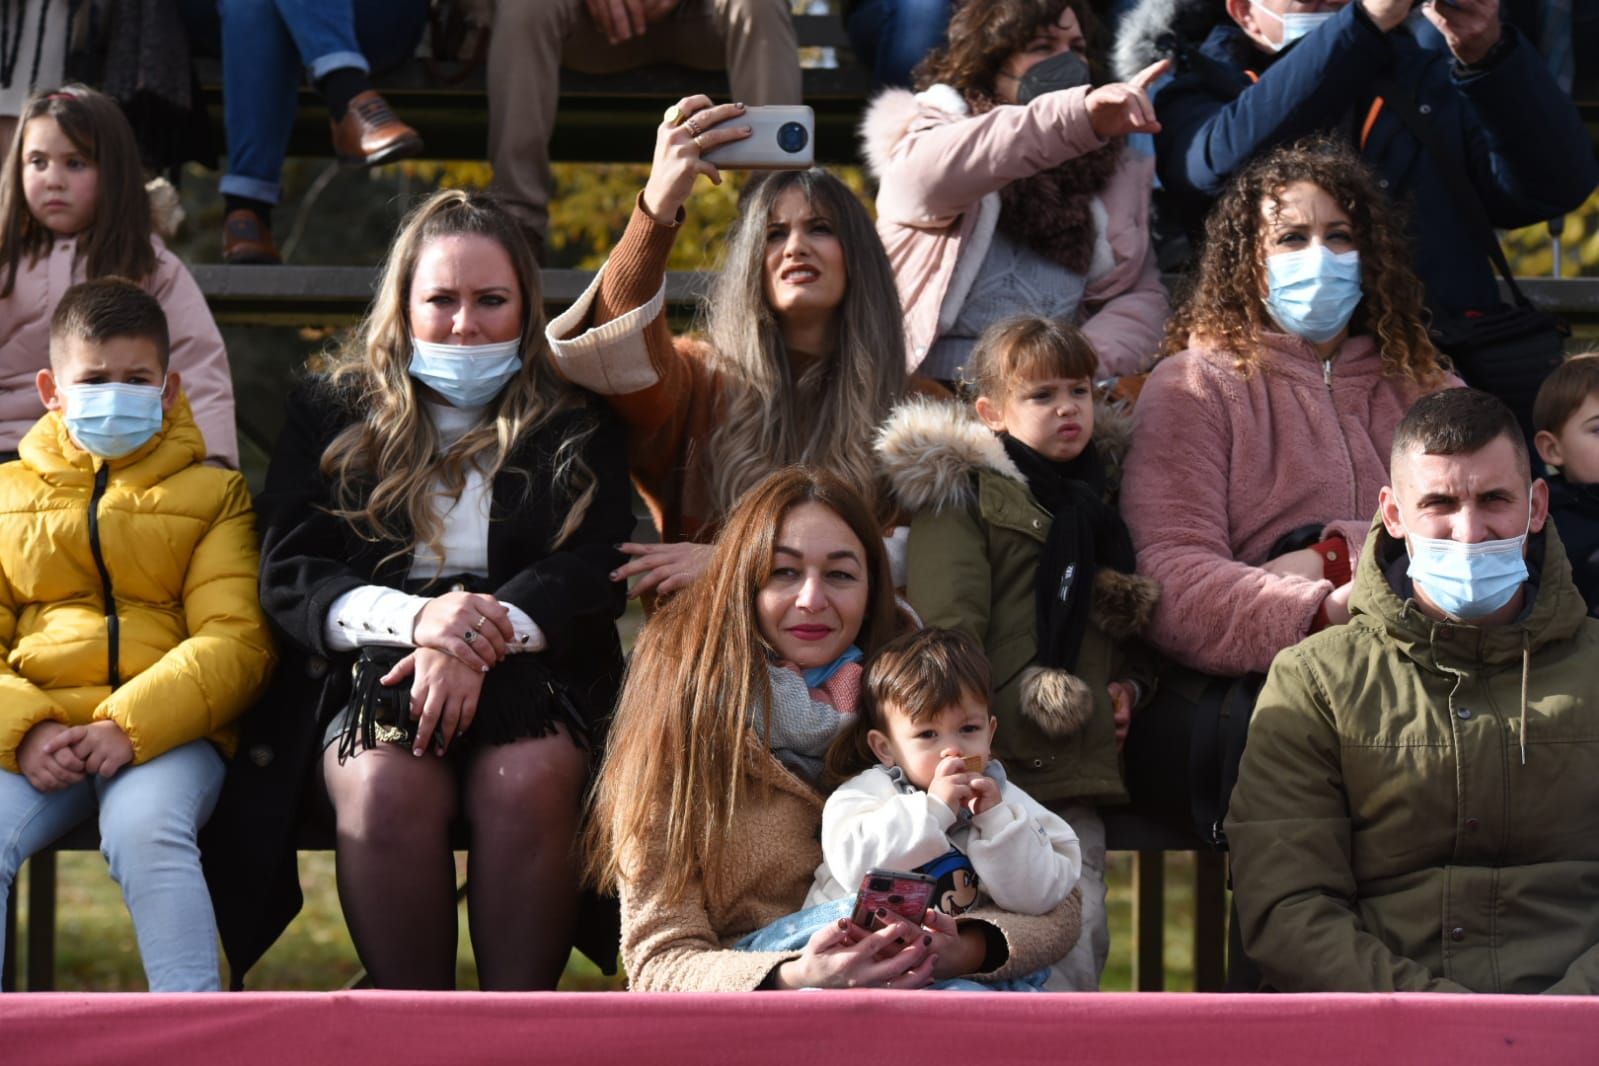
[(129, 623)]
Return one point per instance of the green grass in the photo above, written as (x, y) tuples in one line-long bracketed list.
[(95, 949)]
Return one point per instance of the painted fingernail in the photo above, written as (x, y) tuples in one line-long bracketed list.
[(926, 940), (899, 940), (882, 912), (843, 923)]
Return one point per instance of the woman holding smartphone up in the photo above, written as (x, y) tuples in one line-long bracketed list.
[(706, 813), (789, 366)]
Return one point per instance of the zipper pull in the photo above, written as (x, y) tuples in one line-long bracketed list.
[(1326, 372)]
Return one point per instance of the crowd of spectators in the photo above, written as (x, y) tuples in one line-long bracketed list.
[(962, 532)]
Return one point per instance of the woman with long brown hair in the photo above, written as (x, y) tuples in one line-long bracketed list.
[(707, 808), (438, 523), (790, 365), (1261, 439), (1007, 189)]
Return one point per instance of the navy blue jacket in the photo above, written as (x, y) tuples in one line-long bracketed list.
[(1575, 509), (1509, 129)]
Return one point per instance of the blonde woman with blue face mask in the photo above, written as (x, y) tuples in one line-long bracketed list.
[(439, 522)]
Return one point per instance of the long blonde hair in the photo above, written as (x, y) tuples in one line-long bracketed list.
[(386, 466), (828, 414), (677, 754)]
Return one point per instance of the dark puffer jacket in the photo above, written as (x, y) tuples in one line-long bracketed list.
[(1508, 129)]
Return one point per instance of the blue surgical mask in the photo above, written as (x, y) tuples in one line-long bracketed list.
[(1469, 581), (1312, 292), (112, 420), (467, 375), (1296, 24)]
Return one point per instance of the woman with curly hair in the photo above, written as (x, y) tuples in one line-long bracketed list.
[(439, 524), (1261, 438), (1006, 188), (791, 363)]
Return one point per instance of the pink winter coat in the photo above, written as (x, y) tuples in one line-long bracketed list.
[(198, 354), (1222, 464), (940, 171)]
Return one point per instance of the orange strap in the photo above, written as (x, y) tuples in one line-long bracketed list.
[(1365, 129), (1371, 120)]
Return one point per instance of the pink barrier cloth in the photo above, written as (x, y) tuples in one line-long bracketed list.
[(805, 1029)]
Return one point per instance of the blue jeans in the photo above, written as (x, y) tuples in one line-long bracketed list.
[(150, 815), (791, 932), (892, 36), (266, 45)]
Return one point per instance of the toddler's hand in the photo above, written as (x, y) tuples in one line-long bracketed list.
[(103, 746), (952, 782), (985, 794)]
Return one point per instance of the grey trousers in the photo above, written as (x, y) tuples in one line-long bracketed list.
[(1080, 970), (753, 40)]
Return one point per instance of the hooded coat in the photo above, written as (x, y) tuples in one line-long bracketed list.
[(975, 541), (940, 171), (1387, 831), (1507, 128), (127, 591)]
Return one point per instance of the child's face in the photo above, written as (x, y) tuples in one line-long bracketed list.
[(961, 729), (59, 182), (1575, 449), (114, 361), (1052, 416)]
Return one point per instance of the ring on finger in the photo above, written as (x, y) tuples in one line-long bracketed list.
[(693, 130), (480, 620), (697, 144), (469, 636), (674, 115)]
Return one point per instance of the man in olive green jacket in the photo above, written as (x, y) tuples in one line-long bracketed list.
[(1418, 806)]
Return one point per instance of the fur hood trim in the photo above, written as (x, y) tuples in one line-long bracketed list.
[(1155, 28), (1058, 702), (891, 114), (929, 450)]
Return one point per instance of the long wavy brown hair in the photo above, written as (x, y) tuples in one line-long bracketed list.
[(1226, 309), (117, 241), (827, 414), (676, 760), (387, 466)]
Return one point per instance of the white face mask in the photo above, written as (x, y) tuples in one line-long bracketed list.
[(1295, 24)]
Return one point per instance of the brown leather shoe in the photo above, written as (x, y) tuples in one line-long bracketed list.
[(369, 134), (246, 239)]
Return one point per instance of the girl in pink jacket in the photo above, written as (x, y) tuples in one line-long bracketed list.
[(72, 208), (1271, 419), (1006, 189)]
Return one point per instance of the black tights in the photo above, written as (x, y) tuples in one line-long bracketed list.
[(396, 873)]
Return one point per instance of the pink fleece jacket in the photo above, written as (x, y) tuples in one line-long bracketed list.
[(198, 354), (941, 170), (1222, 464)]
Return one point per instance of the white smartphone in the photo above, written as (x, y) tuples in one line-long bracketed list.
[(782, 137)]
